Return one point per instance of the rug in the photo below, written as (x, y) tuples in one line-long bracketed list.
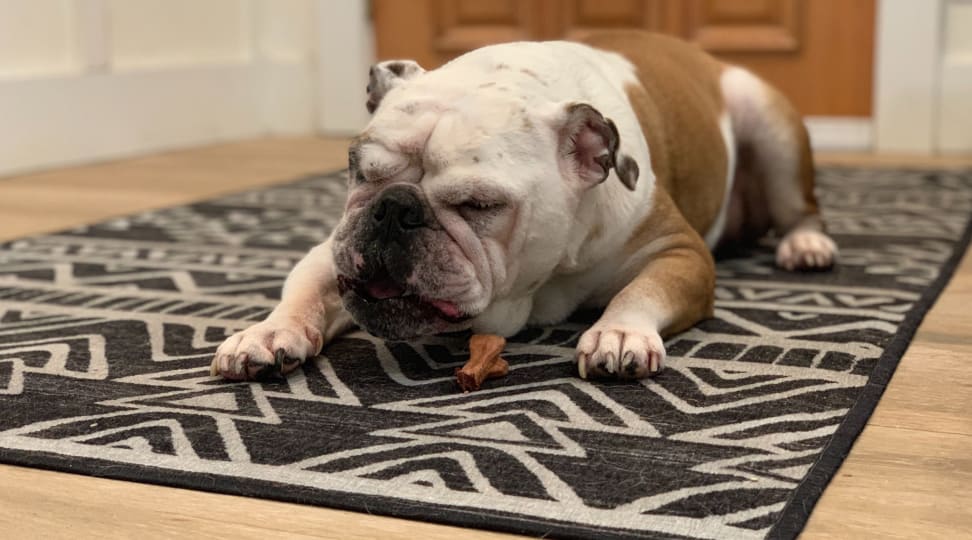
[(106, 334)]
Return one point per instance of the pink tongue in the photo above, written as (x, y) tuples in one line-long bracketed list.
[(384, 288), (447, 308)]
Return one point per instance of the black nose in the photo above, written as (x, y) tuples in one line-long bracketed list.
[(398, 210)]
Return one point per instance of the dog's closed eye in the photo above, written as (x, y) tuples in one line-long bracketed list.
[(479, 205)]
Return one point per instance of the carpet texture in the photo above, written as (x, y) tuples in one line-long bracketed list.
[(106, 333)]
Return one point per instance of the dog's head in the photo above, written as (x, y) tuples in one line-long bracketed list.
[(460, 194)]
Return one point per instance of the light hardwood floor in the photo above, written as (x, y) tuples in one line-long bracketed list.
[(908, 476)]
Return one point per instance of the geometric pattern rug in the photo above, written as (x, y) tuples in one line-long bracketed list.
[(107, 331)]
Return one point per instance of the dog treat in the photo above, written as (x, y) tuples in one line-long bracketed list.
[(484, 362)]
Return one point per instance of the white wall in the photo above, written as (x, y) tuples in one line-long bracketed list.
[(906, 75), (923, 76), (150, 34), (36, 38), (955, 103), (84, 80)]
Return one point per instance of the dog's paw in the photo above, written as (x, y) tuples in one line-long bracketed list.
[(620, 351), (266, 350), (806, 249)]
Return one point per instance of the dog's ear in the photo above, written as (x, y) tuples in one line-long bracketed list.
[(384, 76), (588, 144)]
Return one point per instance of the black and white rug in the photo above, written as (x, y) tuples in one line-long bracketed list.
[(106, 333)]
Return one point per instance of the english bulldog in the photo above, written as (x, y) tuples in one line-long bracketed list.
[(520, 182)]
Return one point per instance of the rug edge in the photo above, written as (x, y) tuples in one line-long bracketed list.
[(794, 517)]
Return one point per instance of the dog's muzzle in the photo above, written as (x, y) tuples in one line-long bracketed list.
[(379, 295)]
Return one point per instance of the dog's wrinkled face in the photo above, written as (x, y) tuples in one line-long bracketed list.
[(439, 204), (456, 199)]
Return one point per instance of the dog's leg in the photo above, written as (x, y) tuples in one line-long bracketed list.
[(766, 125), (309, 314), (671, 289)]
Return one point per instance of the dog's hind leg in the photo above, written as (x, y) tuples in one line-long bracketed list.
[(771, 135)]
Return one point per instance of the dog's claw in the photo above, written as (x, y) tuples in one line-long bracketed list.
[(640, 350), (247, 356)]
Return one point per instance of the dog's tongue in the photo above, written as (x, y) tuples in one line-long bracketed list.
[(384, 288), (447, 308)]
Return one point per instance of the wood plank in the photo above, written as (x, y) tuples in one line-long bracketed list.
[(899, 483), (932, 387), (54, 200), (45, 504)]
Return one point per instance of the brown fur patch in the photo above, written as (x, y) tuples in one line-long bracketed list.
[(679, 275), (678, 104)]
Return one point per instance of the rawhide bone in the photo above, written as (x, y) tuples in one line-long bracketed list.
[(484, 362)]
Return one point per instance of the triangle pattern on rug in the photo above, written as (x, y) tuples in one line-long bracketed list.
[(224, 401), (455, 470), (165, 436), (138, 444), (516, 429), (496, 431), (424, 478), (238, 400)]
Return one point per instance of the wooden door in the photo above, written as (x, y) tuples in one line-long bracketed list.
[(818, 52)]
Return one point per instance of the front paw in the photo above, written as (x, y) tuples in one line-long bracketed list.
[(266, 350), (620, 351)]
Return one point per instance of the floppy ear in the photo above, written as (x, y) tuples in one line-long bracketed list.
[(588, 145), (384, 76)]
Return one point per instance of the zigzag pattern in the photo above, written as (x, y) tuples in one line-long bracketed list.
[(106, 334)]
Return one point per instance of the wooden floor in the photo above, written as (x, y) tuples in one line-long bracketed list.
[(908, 476)]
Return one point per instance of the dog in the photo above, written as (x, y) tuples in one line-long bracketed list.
[(522, 181)]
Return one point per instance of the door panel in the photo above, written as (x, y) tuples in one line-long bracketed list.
[(577, 17), (817, 52), (743, 25), (463, 25), (433, 32)]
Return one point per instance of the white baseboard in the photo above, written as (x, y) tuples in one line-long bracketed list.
[(840, 132), (73, 119)]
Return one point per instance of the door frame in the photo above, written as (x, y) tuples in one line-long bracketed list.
[(904, 105)]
